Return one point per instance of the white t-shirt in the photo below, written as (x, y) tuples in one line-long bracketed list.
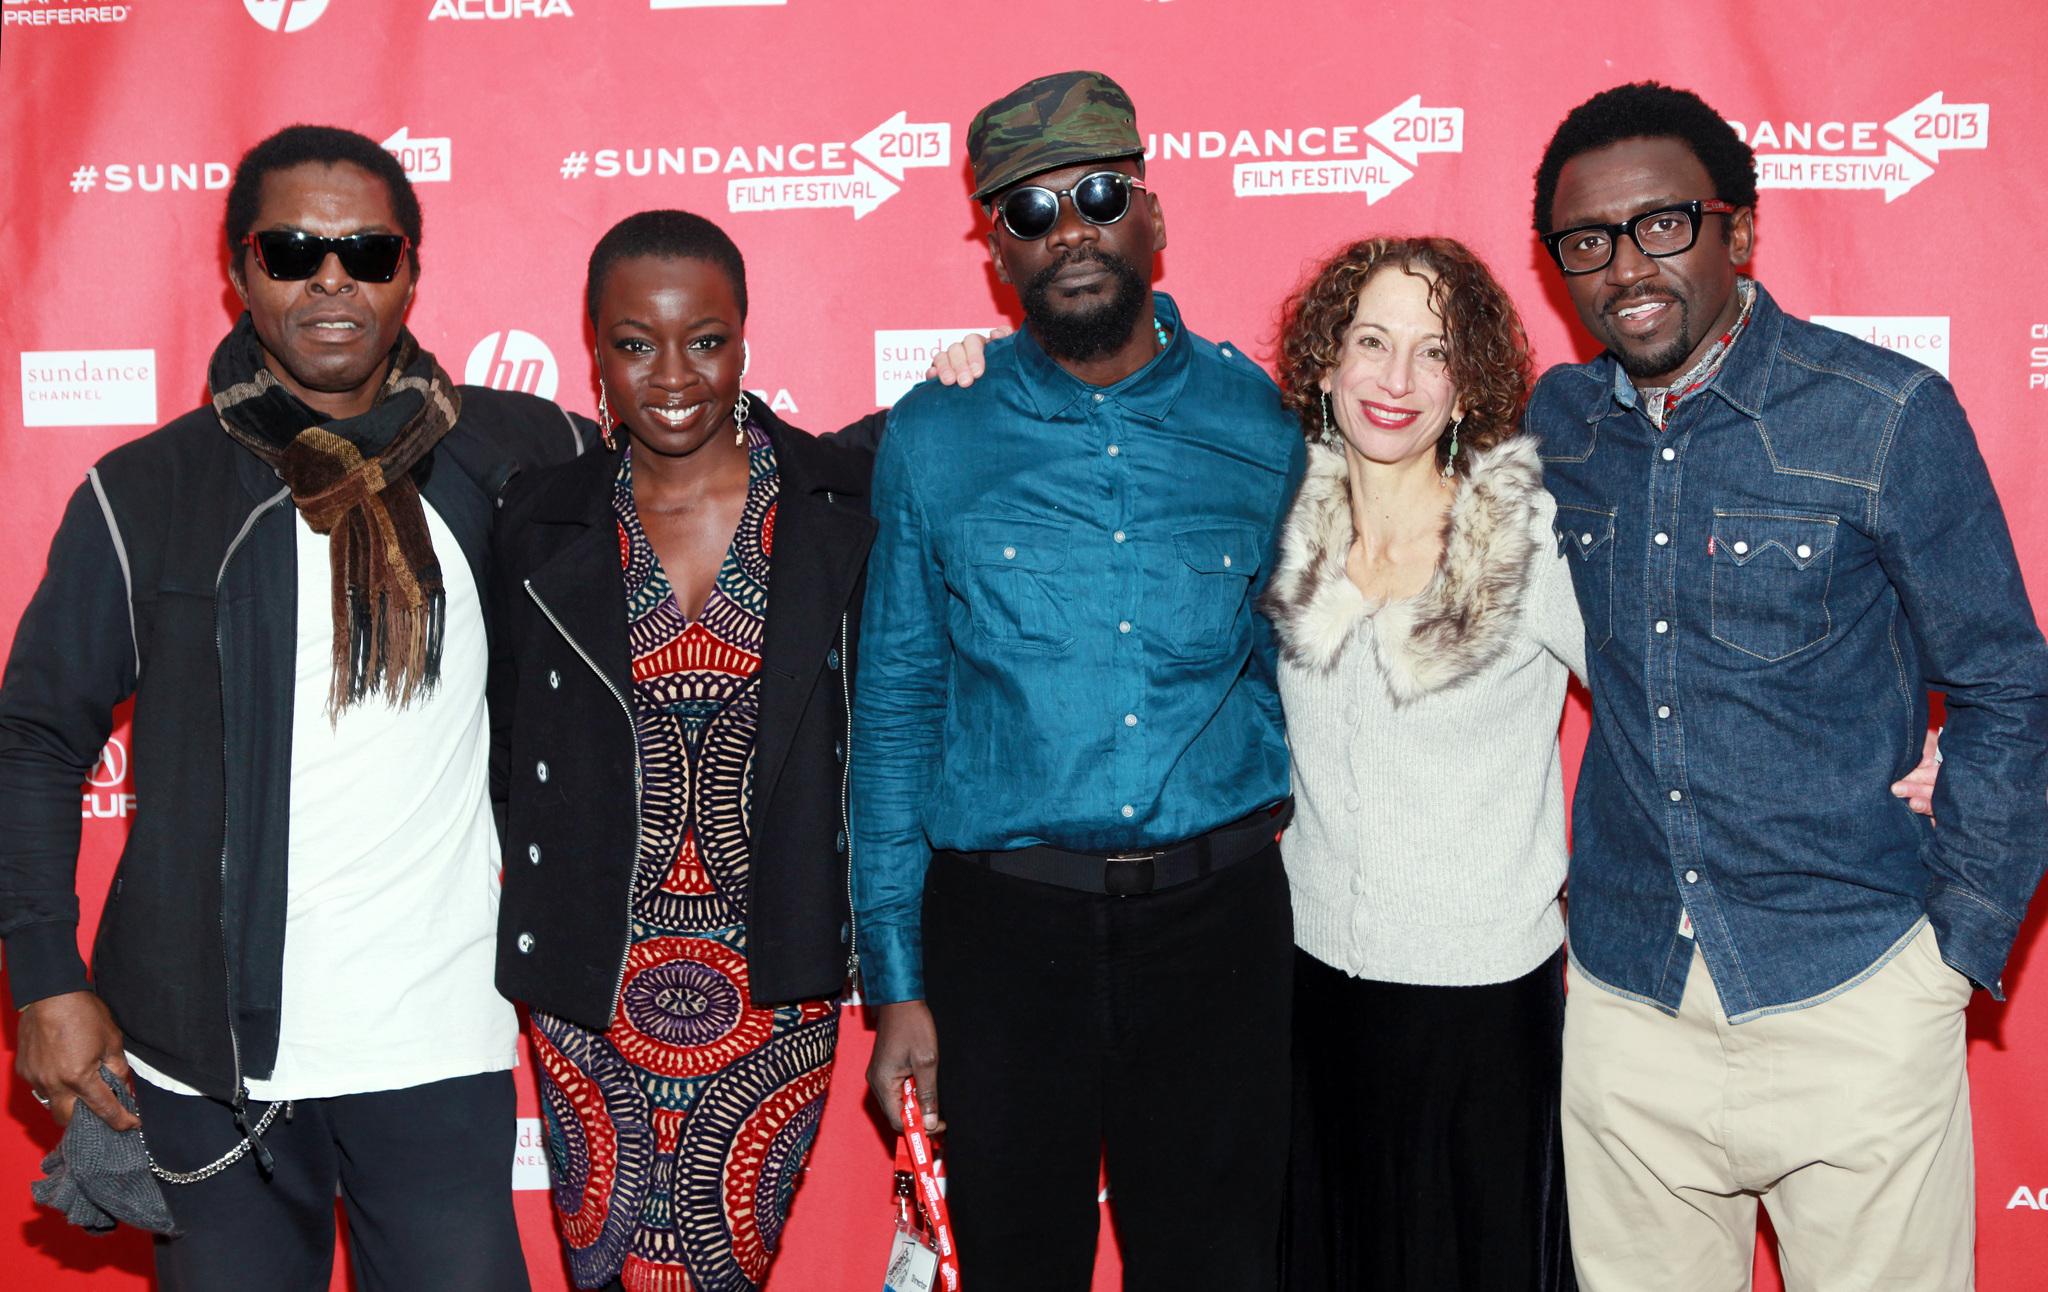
[(391, 911)]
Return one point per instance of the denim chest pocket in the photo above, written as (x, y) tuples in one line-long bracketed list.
[(1013, 578), (1772, 568), (1211, 578), (1588, 534)]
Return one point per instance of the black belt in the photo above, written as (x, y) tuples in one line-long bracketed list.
[(1128, 874)]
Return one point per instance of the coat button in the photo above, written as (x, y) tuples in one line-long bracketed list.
[(832, 659), (839, 751), (844, 933), (554, 680), (541, 770), (525, 943), (839, 844), (533, 853)]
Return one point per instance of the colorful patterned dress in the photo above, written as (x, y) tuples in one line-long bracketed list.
[(676, 1137)]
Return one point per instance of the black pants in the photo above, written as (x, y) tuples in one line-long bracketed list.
[(425, 1172), (1152, 1029), (1426, 1135)]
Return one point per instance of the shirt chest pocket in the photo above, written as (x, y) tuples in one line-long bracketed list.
[(1587, 533), (1208, 585), (1771, 574), (1014, 588)]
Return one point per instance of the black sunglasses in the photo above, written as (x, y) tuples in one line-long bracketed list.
[(1100, 197), (290, 256), (1666, 231)]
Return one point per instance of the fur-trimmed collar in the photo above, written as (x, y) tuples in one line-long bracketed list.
[(1457, 625)]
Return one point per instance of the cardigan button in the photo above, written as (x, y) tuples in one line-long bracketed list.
[(843, 933), (1357, 885), (541, 770), (533, 853), (554, 680), (832, 659), (839, 844), (525, 943)]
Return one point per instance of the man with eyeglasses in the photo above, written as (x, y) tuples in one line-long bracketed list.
[(294, 968), (1782, 539), (1068, 766)]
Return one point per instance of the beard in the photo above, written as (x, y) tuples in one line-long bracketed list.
[(1090, 330), (1663, 360)]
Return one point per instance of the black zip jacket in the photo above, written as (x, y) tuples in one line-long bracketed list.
[(561, 694), (174, 578)]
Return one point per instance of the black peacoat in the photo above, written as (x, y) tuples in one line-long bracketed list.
[(565, 753)]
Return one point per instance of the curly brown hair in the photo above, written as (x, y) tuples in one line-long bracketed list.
[(1490, 364)]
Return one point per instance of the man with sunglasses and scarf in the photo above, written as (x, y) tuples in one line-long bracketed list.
[(1782, 538), (1068, 769), (295, 963)]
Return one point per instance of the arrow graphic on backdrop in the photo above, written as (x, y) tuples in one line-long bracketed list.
[(897, 144), (1405, 133), (1931, 125), (881, 157), (1411, 130), (1896, 172), (863, 190)]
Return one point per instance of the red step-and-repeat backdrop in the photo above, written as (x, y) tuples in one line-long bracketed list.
[(1901, 150)]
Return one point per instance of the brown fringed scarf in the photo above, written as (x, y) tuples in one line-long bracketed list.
[(389, 605)]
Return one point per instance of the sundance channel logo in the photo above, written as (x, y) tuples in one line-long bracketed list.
[(1923, 338), (903, 355), (88, 388)]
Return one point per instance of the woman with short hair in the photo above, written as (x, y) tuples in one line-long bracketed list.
[(670, 692)]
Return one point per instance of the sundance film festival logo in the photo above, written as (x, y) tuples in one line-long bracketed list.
[(1926, 130), (790, 176), (513, 360), (1372, 158), (88, 388), (286, 15), (1920, 337)]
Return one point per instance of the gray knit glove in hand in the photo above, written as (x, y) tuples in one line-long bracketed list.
[(98, 1176)]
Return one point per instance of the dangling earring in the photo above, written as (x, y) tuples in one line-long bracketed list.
[(1329, 432), (739, 409), (604, 419), (1452, 456)]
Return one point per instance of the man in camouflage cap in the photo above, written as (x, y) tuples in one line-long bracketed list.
[(1068, 765), (1048, 123)]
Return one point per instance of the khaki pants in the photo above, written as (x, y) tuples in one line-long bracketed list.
[(1850, 1119)]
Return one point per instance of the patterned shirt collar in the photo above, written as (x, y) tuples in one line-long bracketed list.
[(1658, 404)]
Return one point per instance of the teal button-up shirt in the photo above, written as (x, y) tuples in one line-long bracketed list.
[(1060, 643)]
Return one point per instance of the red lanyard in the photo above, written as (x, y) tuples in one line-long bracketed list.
[(922, 1161)]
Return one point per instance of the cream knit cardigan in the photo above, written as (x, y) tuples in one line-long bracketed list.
[(1428, 843)]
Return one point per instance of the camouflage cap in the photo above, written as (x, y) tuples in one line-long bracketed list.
[(1048, 123)]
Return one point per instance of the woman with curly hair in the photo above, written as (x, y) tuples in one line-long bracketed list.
[(1427, 627)]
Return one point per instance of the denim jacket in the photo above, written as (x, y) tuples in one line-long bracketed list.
[(1770, 587)]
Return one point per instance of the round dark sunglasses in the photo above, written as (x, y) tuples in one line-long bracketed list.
[(290, 256), (1099, 197)]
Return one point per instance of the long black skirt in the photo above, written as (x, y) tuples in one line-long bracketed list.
[(1425, 1140)]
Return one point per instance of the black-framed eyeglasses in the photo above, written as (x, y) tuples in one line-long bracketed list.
[(290, 256), (1666, 231), (1099, 197)]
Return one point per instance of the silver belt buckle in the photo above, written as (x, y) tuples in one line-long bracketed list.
[(1130, 874)]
